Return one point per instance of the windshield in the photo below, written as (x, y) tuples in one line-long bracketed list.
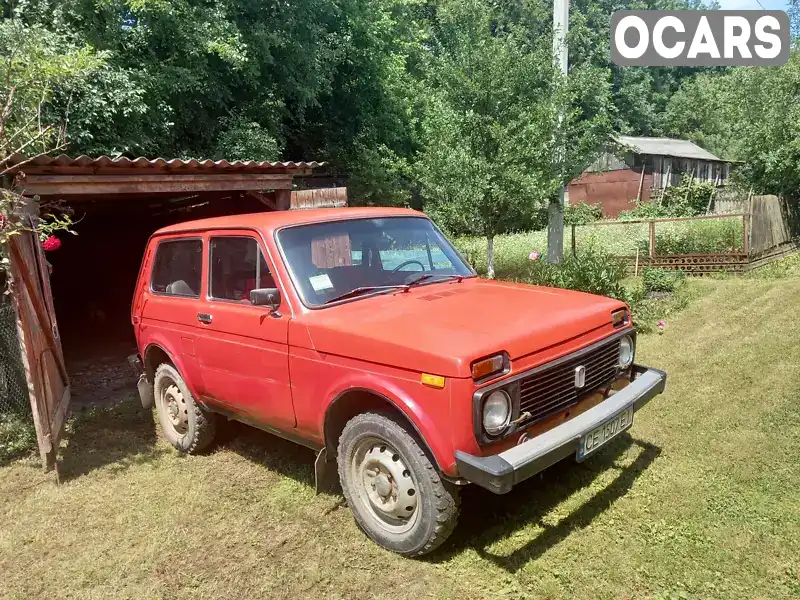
[(340, 258)]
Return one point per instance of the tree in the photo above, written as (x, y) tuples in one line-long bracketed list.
[(491, 126), (33, 63)]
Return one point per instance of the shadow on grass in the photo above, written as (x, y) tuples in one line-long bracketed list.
[(109, 437), (123, 435), (487, 518), (270, 451)]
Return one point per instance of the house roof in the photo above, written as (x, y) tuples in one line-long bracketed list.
[(269, 221), (667, 147)]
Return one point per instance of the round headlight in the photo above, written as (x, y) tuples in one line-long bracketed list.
[(626, 348), (496, 412)]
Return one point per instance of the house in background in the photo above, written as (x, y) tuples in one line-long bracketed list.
[(644, 165)]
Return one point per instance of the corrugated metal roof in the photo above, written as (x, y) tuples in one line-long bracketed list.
[(252, 166), (667, 147)]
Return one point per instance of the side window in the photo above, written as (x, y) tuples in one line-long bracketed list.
[(177, 268), (237, 267)]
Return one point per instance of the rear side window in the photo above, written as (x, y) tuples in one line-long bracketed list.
[(177, 268), (237, 268)]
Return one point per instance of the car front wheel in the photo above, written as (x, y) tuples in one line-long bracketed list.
[(396, 494)]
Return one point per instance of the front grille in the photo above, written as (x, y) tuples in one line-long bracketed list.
[(551, 390)]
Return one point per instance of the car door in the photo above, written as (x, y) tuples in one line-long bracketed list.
[(171, 294), (243, 349)]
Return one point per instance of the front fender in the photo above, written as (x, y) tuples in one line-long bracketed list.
[(426, 409)]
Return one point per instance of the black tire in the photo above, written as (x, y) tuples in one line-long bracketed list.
[(198, 426), (435, 510)]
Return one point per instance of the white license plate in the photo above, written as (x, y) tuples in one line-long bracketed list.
[(605, 432)]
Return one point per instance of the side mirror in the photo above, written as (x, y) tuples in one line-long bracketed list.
[(270, 297)]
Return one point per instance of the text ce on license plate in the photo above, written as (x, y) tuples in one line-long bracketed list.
[(598, 436)]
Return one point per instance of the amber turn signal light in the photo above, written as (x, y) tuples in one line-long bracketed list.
[(488, 366), (620, 317), (434, 381)]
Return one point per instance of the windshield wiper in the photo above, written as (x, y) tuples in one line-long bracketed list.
[(365, 290), (402, 286), (427, 276)]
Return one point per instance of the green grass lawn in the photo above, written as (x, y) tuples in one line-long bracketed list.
[(699, 500)]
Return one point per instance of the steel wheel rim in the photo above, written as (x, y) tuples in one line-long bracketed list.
[(384, 485), (173, 405)]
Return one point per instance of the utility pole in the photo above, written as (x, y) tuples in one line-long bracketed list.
[(555, 211)]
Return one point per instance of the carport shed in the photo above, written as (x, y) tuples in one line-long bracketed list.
[(86, 285)]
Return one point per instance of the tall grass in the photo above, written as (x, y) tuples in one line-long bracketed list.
[(617, 239)]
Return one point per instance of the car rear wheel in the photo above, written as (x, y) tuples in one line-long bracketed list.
[(185, 424), (396, 494)]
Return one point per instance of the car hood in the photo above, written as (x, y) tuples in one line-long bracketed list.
[(442, 328)]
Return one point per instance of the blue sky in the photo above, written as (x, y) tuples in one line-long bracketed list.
[(753, 4)]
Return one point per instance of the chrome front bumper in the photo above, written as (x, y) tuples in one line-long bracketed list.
[(501, 472)]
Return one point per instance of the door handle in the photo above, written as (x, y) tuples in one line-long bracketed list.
[(204, 318)]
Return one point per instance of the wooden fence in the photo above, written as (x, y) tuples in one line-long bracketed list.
[(319, 198), (770, 229)]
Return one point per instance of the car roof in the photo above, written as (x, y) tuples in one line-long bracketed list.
[(270, 221)]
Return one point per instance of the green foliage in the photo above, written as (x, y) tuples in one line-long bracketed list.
[(17, 436), (34, 64), (717, 235), (750, 114), (243, 139), (660, 280), (645, 210), (492, 132), (582, 213), (688, 199), (592, 270)]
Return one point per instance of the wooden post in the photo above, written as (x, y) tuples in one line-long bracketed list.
[(283, 199), (641, 183), (574, 247), (636, 265), (746, 234), (711, 196), (689, 189), (652, 238)]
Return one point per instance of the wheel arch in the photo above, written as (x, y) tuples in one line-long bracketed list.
[(354, 401), (155, 355)]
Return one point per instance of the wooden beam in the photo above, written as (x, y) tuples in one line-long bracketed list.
[(666, 220), (652, 239), (264, 199), (48, 185)]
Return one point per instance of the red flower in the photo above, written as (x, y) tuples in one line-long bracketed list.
[(51, 243), (2, 221)]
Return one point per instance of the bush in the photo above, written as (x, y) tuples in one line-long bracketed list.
[(17, 436), (645, 210), (660, 280), (688, 199), (582, 213), (593, 271)]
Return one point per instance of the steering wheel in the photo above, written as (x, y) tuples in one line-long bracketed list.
[(408, 262)]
